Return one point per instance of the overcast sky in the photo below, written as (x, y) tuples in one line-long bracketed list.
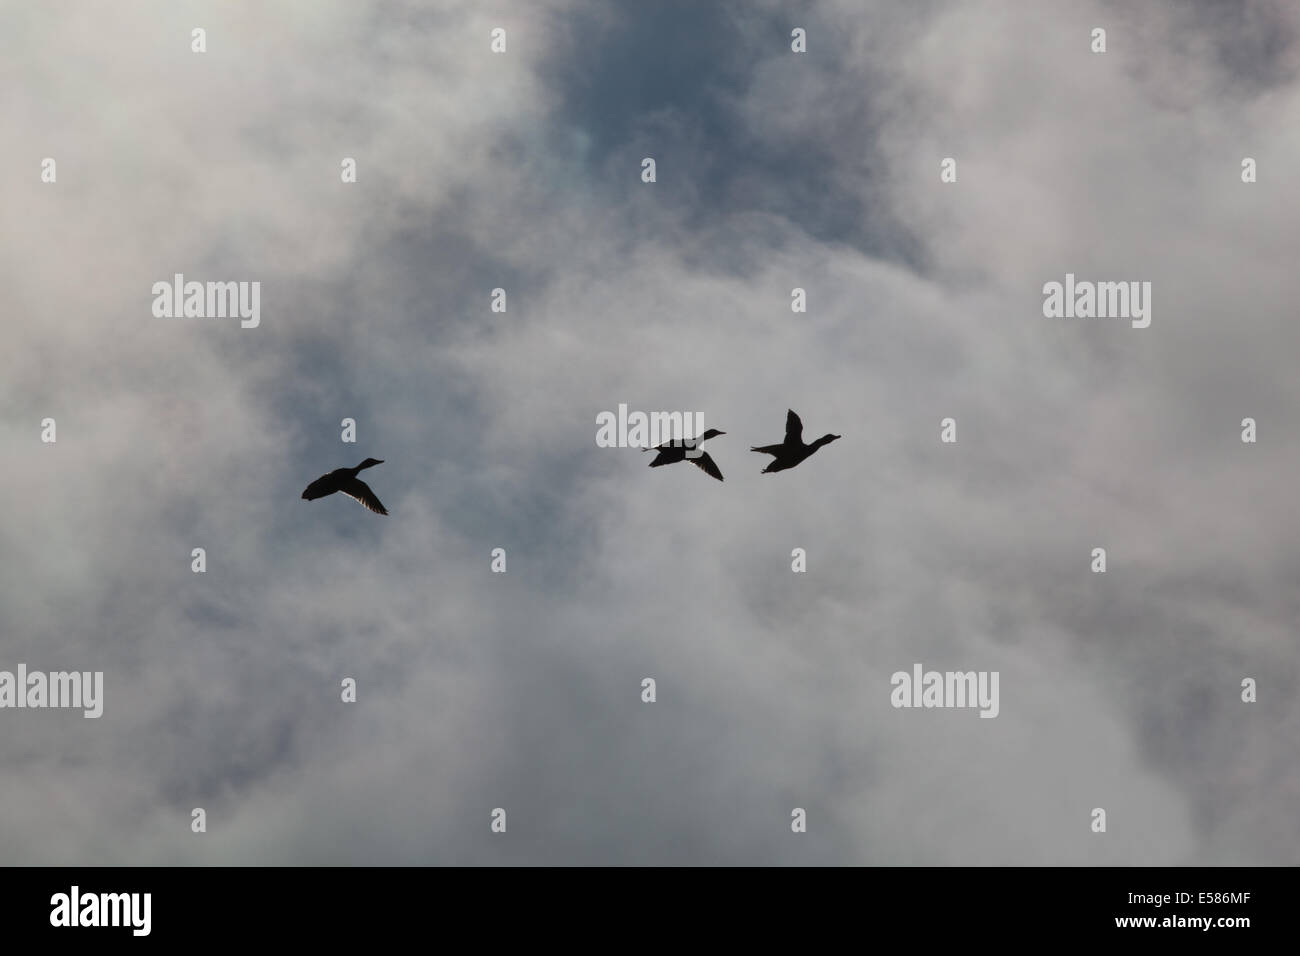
[(522, 690)]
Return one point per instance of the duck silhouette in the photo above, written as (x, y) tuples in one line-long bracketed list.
[(675, 451), (346, 481), (791, 451)]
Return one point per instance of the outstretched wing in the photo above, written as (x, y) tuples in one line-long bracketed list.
[(358, 489), (319, 488), (707, 465), (793, 428)]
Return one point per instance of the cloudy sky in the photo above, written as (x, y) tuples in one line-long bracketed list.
[(522, 690)]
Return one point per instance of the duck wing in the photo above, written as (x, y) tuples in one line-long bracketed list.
[(319, 488), (358, 489), (709, 467), (793, 428), (667, 456)]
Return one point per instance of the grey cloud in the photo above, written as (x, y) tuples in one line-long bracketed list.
[(522, 690)]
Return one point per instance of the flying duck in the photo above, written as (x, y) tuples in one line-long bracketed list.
[(346, 481), (675, 450), (792, 451)]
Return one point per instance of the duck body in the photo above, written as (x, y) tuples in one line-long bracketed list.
[(792, 451), (674, 451), (346, 481)]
